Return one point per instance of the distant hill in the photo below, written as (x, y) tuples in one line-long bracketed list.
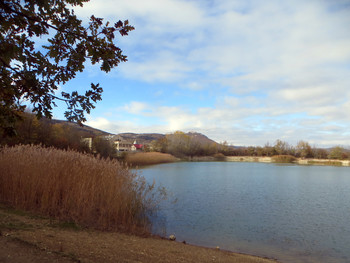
[(201, 138), (89, 131), (142, 138), (146, 138)]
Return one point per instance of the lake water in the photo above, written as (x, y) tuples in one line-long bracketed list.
[(289, 212)]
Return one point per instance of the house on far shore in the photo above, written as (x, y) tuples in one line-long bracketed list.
[(125, 146)]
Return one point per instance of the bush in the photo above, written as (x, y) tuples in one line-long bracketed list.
[(219, 157), (283, 159), (72, 186), (149, 158)]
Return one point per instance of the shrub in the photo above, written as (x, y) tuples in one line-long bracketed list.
[(72, 186), (219, 157), (149, 158), (283, 159)]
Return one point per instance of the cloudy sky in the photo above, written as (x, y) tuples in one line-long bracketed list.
[(246, 72)]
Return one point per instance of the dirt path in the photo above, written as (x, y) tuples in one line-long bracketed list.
[(25, 238)]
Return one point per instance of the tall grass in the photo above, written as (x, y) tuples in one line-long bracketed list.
[(149, 158), (71, 186), (283, 159), (322, 162)]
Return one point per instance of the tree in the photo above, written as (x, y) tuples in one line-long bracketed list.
[(103, 147), (33, 73), (320, 153), (338, 153), (269, 150), (304, 150), (178, 143), (281, 147)]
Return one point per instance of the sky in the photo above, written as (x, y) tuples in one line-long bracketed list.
[(245, 72)]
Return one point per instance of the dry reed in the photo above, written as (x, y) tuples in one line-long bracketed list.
[(72, 186), (283, 159), (149, 158)]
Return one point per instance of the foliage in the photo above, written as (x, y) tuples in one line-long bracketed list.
[(281, 147), (181, 145), (303, 149), (104, 147), (338, 153), (34, 74), (76, 187), (219, 157), (31, 130), (62, 135)]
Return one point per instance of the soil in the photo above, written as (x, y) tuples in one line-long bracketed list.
[(26, 238)]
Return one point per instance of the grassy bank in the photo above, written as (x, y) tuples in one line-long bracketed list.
[(71, 186), (149, 158)]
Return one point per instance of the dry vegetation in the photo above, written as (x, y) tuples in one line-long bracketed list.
[(284, 159), (72, 186), (149, 158)]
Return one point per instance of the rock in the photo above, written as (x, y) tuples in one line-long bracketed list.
[(172, 238)]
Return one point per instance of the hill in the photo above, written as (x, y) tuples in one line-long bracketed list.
[(142, 138), (147, 138), (200, 138), (89, 131)]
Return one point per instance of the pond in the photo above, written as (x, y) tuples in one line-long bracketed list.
[(289, 212)]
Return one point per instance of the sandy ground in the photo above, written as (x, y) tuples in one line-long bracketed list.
[(25, 238)]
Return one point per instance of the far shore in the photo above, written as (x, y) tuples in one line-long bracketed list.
[(152, 158), (301, 161)]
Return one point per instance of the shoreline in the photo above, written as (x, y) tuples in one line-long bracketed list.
[(28, 238), (256, 159)]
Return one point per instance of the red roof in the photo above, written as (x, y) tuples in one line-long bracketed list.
[(138, 146)]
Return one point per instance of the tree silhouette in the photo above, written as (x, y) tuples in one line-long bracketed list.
[(33, 73)]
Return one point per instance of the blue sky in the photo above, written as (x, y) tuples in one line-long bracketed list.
[(245, 72)]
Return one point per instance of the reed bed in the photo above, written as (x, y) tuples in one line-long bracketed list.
[(323, 162), (72, 186), (149, 158), (283, 159)]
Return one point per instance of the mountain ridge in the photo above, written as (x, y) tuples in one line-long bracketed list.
[(142, 138)]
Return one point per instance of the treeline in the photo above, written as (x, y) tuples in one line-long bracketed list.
[(63, 135), (302, 150), (183, 145)]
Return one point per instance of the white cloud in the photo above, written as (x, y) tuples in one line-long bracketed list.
[(102, 124), (267, 60), (164, 68), (135, 107)]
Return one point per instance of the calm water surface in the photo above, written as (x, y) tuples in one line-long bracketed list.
[(288, 212)]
